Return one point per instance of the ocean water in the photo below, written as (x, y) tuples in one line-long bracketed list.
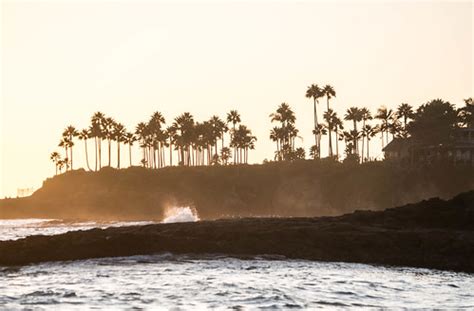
[(184, 282)]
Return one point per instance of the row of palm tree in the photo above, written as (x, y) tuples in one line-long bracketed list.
[(195, 143), (203, 143), (390, 123)]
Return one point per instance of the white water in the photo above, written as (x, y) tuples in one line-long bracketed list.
[(20, 228), (180, 214), (164, 282), (187, 282)]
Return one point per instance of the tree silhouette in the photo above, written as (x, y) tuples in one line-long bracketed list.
[(354, 114), (315, 92), (84, 135), (69, 133), (434, 123), (466, 113), (233, 117), (404, 111), (384, 115), (329, 92), (129, 139), (55, 157)]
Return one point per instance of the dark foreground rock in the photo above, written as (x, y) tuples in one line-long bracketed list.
[(432, 234)]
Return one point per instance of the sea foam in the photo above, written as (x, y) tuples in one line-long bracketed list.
[(180, 214)]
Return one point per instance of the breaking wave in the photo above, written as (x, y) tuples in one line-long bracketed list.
[(180, 214)]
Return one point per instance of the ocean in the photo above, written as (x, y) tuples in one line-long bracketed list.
[(183, 282)]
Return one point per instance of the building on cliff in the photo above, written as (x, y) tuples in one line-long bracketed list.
[(460, 150)]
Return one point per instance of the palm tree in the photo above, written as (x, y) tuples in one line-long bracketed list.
[(65, 143), (315, 92), (55, 157), (108, 125), (368, 132), (118, 135), (320, 131), (350, 138), (171, 132), (84, 135), (184, 125), (330, 118), (97, 131), (285, 135), (61, 164), (384, 115), (243, 140), (225, 155), (217, 127), (406, 112), (70, 132), (338, 130), (366, 116), (354, 114), (129, 140), (233, 117), (142, 133)]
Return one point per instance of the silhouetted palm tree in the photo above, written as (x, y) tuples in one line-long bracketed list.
[(142, 133), (84, 135), (405, 111), (354, 114), (366, 116), (55, 157), (108, 125), (315, 92), (385, 116), (330, 118), (118, 135), (129, 140), (96, 130), (233, 117), (225, 155), (368, 132), (70, 132)]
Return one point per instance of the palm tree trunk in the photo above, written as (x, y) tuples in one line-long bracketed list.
[(130, 153), (100, 153), (118, 154), (171, 153), (96, 152), (363, 139), (337, 141), (368, 154), (70, 151), (109, 141), (315, 123), (87, 156)]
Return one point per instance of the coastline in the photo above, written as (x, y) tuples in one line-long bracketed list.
[(310, 188), (434, 234)]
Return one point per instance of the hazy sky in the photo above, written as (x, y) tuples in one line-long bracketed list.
[(62, 61)]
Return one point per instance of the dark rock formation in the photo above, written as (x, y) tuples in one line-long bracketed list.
[(432, 234)]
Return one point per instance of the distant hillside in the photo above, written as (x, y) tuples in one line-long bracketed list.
[(301, 188)]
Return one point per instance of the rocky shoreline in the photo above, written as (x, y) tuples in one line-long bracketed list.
[(434, 234)]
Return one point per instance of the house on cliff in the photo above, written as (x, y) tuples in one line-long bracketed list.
[(460, 150)]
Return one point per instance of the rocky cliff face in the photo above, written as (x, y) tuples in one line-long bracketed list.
[(304, 188)]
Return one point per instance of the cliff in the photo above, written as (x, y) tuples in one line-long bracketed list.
[(302, 188)]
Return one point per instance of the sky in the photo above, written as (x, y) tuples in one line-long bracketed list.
[(61, 61)]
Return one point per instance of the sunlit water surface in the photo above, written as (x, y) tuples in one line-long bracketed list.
[(167, 281)]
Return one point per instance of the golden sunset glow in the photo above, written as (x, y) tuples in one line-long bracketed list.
[(63, 61)]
